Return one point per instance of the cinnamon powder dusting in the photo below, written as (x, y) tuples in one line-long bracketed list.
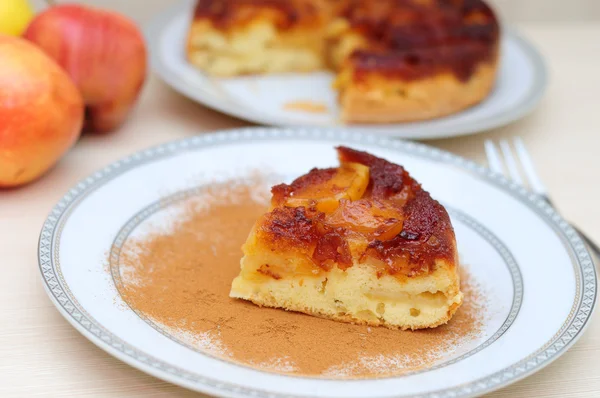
[(179, 279)]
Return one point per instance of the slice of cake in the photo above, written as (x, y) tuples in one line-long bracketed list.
[(361, 243)]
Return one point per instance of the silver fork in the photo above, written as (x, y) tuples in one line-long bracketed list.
[(532, 180)]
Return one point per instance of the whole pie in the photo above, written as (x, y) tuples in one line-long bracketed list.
[(361, 243), (395, 60)]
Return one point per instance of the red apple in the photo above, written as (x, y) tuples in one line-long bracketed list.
[(102, 51), (41, 112)]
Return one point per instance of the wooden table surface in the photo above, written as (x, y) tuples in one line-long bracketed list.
[(42, 355)]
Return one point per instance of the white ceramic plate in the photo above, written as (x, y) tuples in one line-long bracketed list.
[(261, 99), (531, 262)]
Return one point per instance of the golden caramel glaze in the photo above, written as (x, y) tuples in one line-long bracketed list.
[(394, 223), (314, 177), (285, 13), (412, 39)]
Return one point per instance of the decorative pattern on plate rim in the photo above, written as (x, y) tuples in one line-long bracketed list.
[(60, 294), (178, 197)]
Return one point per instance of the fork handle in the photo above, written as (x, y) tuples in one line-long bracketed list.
[(595, 248), (591, 244)]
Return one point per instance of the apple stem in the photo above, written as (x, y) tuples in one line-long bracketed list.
[(51, 3)]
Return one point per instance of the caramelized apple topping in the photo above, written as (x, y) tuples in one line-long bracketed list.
[(325, 188), (331, 250), (427, 234), (368, 207), (387, 180), (373, 218), (285, 13)]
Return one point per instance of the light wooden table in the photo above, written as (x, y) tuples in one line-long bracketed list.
[(42, 355)]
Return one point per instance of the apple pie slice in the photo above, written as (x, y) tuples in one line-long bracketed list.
[(361, 243)]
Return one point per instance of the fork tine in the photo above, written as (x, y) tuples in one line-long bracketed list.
[(494, 162), (528, 168), (511, 163)]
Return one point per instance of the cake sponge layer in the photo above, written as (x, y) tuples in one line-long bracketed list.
[(257, 47), (357, 295)]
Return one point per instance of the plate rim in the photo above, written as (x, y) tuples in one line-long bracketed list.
[(154, 30), (104, 339)]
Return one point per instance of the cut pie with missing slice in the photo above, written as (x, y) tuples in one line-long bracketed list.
[(361, 243), (394, 60)]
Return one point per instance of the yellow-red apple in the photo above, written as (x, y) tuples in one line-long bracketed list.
[(41, 112), (102, 51)]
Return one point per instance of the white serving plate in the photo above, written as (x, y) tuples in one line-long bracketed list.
[(535, 268)]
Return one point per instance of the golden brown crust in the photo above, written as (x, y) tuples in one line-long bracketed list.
[(394, 222), (391, 100)]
